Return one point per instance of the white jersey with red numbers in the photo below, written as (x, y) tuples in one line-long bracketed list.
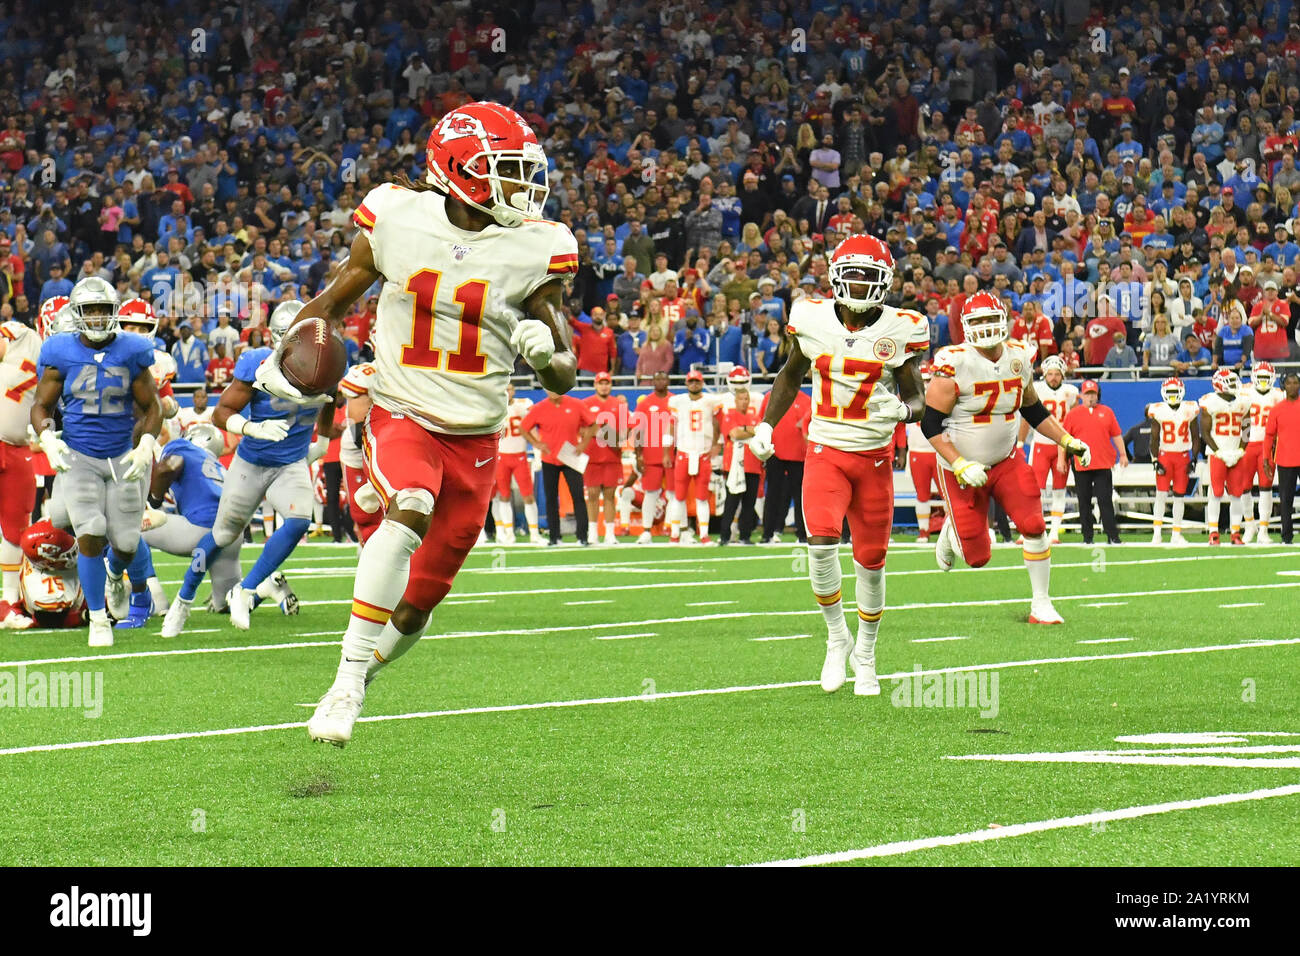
[(355, 384), (513, 441), (1261, 405), (917, 443), (1057, 401), (1226, 419), (985, 422), (1175, 425), (48, 591), (852, 371), (693, 425), (450, 301), (18, 381)]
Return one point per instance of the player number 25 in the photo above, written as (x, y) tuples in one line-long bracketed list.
[(471, 296), (856, 409)]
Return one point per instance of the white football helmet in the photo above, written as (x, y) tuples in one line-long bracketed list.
[(94, 304), (283, 318), (1225, 382), (1264, 377), (1172, 391), (207, 436)]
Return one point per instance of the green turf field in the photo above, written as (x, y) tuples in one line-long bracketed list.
[(659, 705)]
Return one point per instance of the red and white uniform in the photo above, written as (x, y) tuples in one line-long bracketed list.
[(53, 595), (695, 430), (984, 426), (512, 451), (604, 451), (450, 301), (922, 463), (1042, 450), (848, 471), (18, 382), (652, 424), (1175, 424), (356, 384), (1260, 406), (1226, 426)]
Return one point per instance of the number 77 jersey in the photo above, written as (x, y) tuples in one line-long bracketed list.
[(449, 303), (985, 422), (850, 368), (18, 380)]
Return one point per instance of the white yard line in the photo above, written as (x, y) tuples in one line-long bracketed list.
[(939, 640), (1106, 640), (710, 603), (1107, 604), (782, 637), (1244, 604), (667, 695), (624, 637), (583, 603), (902, 847)]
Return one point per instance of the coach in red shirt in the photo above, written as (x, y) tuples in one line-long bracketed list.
[(1100, 334), (1095, 425), (1282, 446), (785, 467), (549, 425), (595, 344), (738, 426)]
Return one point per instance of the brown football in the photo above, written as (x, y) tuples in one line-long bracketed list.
[(313, 358)]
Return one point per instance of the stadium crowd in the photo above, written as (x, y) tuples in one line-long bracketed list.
[(1120, 175)]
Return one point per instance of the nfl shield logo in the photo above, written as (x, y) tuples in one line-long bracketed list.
[(848, 343), (460, 252)]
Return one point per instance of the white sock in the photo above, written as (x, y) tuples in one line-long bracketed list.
[(530, 515), (870, 596), (1265, 507), (827, 585), (156, 592), (702, 515), (649, 508), (389, 646), (504, 514), (1161, 496), (1058, 511), (676, 516), (1038, 562), (625, 499), (100, 616), (1248, 510), (1234, 513), (1178, 514), (1212, 505), (382, 574), (11, 559), (923, 517)]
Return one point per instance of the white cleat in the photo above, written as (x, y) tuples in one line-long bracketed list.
[(1248, 534), (116, 597), (1042, 612), (776, 537), (505, 535), (101, 633), (13, 619), (535, 537), (1177, 540), (645, 537), (610, 538), (1262, 537), (482, 538), (282, 594), (337, 711), (176, 617), (240, 607), (592, 536), (865, 682), (159, 596), (943, 549), (687, 536), (1155, 538), (837, 655)]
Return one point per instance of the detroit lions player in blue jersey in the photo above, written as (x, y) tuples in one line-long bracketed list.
[(111, 420), (270, 463)]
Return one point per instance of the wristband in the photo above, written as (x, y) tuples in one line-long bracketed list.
[(155, 501), (236, 423)]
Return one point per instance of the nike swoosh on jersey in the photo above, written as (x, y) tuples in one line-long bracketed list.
[(480, 464), (880, 462)]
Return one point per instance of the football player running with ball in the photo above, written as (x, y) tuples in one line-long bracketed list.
[(859, 351), (111, 420), (971, 419), (471, 276)]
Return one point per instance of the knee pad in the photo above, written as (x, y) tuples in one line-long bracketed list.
[(418, 500)]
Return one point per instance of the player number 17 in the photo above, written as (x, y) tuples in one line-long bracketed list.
[(856, 409)]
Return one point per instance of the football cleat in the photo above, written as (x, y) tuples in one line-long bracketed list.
[(159, 597), (1042, 612), (645, 537), (943, 549), (1248, 534), (1177, 540), (611, 538), (283, 594), (13, 619), (923, 538), (1236, 538), (1155, 537), (116, 596), (139, 612), (535, 537), (705, 539), (776, 537), (863, 659), (837, 655), (505, 535), (686, 537), (1262, 537), (176, 617), (240, 607), (335, 715), (101, 633), (1214, 538)]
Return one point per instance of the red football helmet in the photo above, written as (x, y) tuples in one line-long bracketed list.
[(478, 150), (864, 262), (983, 320), (138, 314), (47, 320), (1172, 391), (1225, 382), (738, 379), (49, 548)]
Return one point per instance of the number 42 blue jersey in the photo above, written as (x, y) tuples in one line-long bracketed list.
[(263, 407), (98, 406)]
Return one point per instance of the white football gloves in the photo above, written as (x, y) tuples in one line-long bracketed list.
[(971, 474), (761, 444), (56, 450), (274, 429), (1078, 449), (153, 518), (1230, 456), (891, 408), (269, 378), (532, 339), (140, 458)]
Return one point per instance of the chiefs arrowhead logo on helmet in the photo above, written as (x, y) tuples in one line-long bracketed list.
[(1263, 375), (49, 548), (138, 315), (983, 320), (1225, 382), (1172, 391), (861, 272), (52, 319)]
